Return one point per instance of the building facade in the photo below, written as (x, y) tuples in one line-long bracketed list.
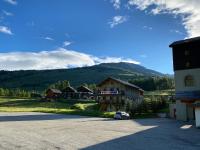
[(84, 92), (186, 65), (112, 94), (69, 93), (53, 94)]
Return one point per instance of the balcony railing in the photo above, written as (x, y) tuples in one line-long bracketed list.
[(110, 92)]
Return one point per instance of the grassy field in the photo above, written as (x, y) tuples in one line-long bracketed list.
[(87, 108), (72, 107)]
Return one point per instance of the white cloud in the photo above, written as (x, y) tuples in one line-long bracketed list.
[(7, 13), (116, 20), (49, 38), (177, 31), (56, 59), (188, 9), (99, 60), (13, 2), (66, 43), (116, 3), (147, 27), (6, 30)]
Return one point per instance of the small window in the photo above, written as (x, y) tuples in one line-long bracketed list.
[(187, 64), (189, 80), (187, 52)]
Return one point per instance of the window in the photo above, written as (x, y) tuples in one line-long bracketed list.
[(112, 89), (187, 52), (187, 64), (189, 80)]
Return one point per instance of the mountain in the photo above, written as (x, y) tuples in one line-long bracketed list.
[(133, 68), (41, 79)]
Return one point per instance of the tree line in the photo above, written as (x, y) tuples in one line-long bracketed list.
[(15, 93), (148, 84), (154, 83), (21, 93), (61, 85)]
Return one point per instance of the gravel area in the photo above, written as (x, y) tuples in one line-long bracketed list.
[(40, 131)]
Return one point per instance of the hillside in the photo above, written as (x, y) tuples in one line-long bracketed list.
[(40, 79)]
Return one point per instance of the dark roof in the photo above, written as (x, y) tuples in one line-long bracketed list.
[(55, 91), (195, 39), (122, 82), (84, 89), (69, 89)]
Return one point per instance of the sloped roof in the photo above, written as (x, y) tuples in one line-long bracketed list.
[(84, 89), (69, 89), (56, 91), (195, 39), (122, 82)]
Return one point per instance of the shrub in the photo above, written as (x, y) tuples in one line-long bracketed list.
[(78, 106)]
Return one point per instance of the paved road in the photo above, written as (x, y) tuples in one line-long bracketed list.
[(39, 131)]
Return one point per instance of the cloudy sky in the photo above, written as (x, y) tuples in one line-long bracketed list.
[(48, 34)]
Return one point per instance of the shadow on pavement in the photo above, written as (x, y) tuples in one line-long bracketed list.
[(37, 117), (165, 134)]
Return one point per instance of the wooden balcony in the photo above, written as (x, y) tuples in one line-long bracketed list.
[(101, 93)]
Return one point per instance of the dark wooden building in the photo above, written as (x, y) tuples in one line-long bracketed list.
[(84, 92), (112, 94), (53, 93), (69, 93)]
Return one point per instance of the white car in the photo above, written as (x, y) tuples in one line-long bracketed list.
[(121, 115)]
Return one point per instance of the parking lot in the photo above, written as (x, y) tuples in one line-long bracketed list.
[(52, 131)]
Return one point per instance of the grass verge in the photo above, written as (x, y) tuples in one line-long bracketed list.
[(87, 108)]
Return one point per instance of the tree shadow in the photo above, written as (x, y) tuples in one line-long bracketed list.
[(165, 134), (32, 103), (37, 117)]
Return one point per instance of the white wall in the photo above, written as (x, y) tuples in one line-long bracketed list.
[(180, 76), (181, 111), (197, 115)]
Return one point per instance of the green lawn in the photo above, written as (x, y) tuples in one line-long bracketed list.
[(73, 107), (87, 108)]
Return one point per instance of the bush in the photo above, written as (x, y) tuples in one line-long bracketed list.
[(78, 106), (150, 104)]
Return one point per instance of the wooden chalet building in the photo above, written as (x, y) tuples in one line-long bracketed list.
[(53, 93), (112, 94), (69, 93), (84, 92)]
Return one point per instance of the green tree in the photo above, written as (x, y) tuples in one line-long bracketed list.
[(61, 85)]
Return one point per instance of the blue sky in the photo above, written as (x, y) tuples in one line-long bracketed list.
[(49, 34)]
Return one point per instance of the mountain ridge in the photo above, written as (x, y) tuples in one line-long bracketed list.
[(41, 79)]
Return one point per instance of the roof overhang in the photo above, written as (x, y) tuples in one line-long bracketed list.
[(186, 41)]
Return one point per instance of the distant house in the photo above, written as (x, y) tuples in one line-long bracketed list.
[(84, 92), (69, 92), (112, 94), (53, 93)]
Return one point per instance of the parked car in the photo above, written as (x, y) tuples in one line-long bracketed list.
[(121, 115)]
